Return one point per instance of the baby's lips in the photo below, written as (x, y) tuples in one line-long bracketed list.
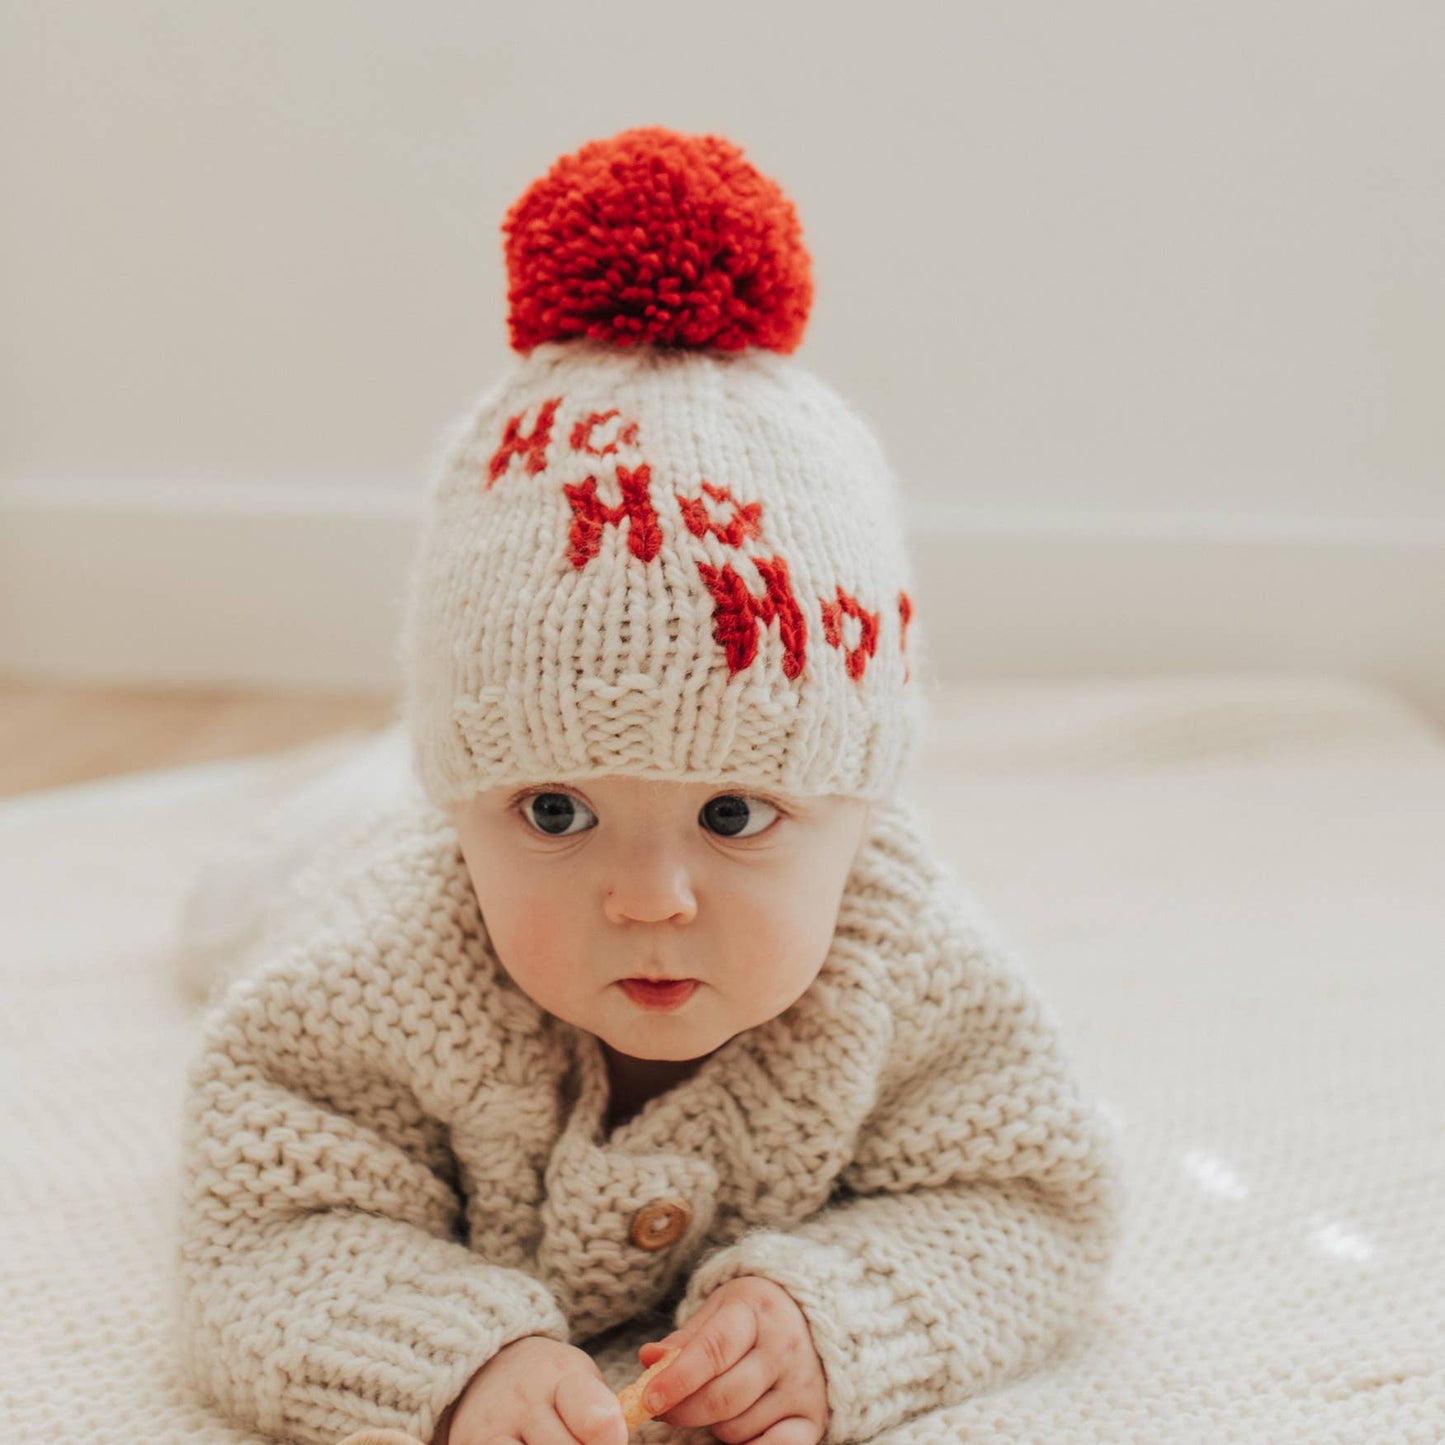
[(634, 1411)]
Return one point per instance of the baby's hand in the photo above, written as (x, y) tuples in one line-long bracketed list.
[(536, 1389), (750, 1339)]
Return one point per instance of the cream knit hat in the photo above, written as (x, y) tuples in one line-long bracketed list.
[(657, 546)]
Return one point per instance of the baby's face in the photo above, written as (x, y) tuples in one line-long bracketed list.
[(584, 885)]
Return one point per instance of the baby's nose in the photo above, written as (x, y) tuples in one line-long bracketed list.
[(652, 895)]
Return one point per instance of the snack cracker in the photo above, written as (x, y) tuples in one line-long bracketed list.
[(634, 1411)]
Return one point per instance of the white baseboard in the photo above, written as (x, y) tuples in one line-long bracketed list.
[(282, 586), (1029, 592), (298, 586)]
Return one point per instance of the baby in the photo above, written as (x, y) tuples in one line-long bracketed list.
[(651, 1022)]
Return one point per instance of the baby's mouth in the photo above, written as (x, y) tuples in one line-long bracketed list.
[(659, 993)]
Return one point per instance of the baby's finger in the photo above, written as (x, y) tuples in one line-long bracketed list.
[(653, 1349), (545, 1429), (590, 1411), (794, 1431), (769, 1410), (732, 1397), (711, 1352)]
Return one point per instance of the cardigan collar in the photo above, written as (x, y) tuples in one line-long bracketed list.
[(776, 1110)]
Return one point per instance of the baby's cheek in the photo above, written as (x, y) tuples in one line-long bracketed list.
[(778, 974), (531, 938)]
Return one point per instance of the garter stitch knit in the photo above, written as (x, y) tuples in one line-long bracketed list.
[(395, 1163)]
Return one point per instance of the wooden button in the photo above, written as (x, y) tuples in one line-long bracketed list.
[(660, 1223)]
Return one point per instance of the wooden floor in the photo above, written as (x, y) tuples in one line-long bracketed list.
[(52, 734)]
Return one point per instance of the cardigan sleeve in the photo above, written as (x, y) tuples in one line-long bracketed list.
[(324, 1284), (978, 1214)]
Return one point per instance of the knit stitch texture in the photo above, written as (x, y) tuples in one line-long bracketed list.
[(668, 564), (395, 1163)]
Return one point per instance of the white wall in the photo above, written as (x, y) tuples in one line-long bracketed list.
[(1088, 267)]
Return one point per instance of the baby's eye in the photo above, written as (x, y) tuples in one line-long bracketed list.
[(732, 812), (553, 812)]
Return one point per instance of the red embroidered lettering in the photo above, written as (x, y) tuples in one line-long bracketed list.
[(905, 612), (533, 446), (833, 630), (737, 613), (590, 514), (582, 434), (746, 520)]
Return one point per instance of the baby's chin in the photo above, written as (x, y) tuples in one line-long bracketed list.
[(660, 1051), (648, 1043)]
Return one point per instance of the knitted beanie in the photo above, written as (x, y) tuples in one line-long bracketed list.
[(657, 546)]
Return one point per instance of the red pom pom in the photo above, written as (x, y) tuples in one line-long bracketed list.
[(658, 237)]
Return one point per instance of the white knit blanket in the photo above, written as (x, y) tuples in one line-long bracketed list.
[(1230, 887)]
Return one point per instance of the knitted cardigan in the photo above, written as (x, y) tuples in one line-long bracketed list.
[(395, 1163)]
